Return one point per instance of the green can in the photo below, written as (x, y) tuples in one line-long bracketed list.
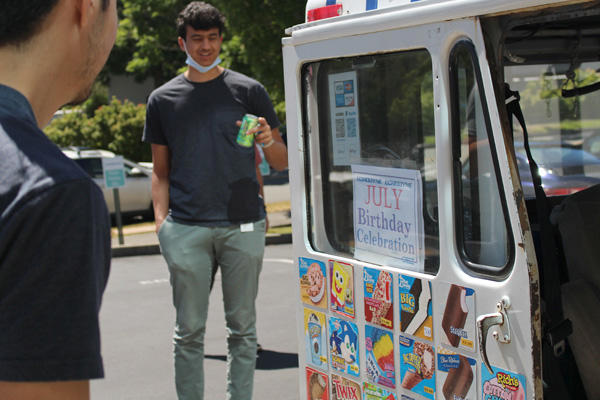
[(248, 122)]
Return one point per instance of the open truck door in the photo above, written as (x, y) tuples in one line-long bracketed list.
[(416, 254)]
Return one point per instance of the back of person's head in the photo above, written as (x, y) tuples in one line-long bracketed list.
[(200, 16), (20, 20)]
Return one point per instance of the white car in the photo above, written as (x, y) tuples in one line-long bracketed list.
[(135, 197)]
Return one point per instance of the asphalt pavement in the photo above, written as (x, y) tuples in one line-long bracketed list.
[(137, 318)]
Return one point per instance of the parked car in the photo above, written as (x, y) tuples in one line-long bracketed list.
[(135, 197)]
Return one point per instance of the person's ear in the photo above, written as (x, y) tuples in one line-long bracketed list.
[(85, 11), (181, 43)]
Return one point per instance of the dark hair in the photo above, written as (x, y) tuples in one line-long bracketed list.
[(200, 16), (21, 19)]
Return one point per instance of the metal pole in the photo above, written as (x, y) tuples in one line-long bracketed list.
[(118, 214)]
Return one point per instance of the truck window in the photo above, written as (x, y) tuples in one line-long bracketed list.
[(373, 110), (482, 231)]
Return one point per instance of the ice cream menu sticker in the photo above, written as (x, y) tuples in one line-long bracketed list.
[(379, 346), (317, 387), (344, 389), (372, 392), (456, 376), (379, 297), (341, 276), (313, 282), (315, 337), (343, 346), (388, 217), (417, 367), (345, 130), (458, 320), (503, 385), (415, 306)]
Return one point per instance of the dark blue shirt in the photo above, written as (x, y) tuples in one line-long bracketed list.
[(212, 179), (54, 255)]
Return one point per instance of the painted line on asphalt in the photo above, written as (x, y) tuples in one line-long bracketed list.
[(279, 260), (154, 282)]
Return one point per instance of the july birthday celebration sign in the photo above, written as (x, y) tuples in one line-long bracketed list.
[(388, 217)]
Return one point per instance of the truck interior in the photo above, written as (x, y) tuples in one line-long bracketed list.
[(549, 63)]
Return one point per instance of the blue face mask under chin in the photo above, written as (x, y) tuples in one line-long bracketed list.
[(192, 63)]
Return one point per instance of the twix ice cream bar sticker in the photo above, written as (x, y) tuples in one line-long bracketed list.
[(415, 307), (417, 367), (503, 385), (456, 375), (458, 318), (317, 385), (344, 389), (313, 282), (341, 278), (315, 338), (379, 297)]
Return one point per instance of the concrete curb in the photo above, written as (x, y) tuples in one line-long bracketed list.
[(153, 249)]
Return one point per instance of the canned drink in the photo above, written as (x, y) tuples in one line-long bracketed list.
[(248, 122)]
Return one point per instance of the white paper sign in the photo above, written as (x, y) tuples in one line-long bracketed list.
[(388, 216), (343, 103)]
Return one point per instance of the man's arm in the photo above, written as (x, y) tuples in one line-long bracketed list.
[(161, 160), (68, 390), (273, 146)]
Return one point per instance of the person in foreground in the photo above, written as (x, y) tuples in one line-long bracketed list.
[(206, 203), (54, 225)]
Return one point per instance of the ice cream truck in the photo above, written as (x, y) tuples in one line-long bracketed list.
[(445, 170)]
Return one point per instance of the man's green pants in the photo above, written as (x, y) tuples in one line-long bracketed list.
[(191, 252)]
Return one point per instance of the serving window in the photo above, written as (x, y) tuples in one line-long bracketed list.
[(371, 158)]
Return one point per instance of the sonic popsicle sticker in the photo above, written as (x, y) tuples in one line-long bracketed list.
[(342, 288), (343, 346)]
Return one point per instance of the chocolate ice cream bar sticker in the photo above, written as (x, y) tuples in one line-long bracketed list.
[(379, 297), (313, 282), (458, 320), (503, 385), (344, 389), (315, 338), (343, 346), (417, 367), (415, 306), (341, 277), (456, 376), (372, 392), (317, 387), (379, 346)]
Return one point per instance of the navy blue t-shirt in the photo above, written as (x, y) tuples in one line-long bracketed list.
[(212, 181), (54, 255)]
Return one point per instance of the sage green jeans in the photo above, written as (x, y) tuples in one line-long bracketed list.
[(191, 252)]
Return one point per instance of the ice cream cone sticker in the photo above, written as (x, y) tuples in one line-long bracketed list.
[(417, 367)]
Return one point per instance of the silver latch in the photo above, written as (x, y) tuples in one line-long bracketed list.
[(486, 321)]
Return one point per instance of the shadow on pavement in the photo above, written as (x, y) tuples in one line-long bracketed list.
[(268, 360)]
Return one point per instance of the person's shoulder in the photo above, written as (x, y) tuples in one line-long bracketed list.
[(169, 89), (238, 78)]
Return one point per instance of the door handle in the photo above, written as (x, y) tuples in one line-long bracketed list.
[(486, 321)]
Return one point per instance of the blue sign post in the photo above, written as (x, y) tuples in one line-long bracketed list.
[(114, 177)]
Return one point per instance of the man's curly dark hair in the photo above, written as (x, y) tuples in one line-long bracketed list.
[(200, 16)]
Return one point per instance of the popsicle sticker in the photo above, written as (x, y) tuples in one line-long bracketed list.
[(417, 367), (344, 389), (458, 320), (317, 387), (456, 376), (315, 338), (415, 307), (372, 392), (379, 346), (379, 297), (313, 282), (343, 346), (341, 276), (502, 384)]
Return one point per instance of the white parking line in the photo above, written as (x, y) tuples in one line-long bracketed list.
[(154, 282), (279, 260)]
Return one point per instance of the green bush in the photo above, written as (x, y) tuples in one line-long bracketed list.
[(117, 127)]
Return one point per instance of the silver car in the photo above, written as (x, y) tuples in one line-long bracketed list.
[(135, 197)]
